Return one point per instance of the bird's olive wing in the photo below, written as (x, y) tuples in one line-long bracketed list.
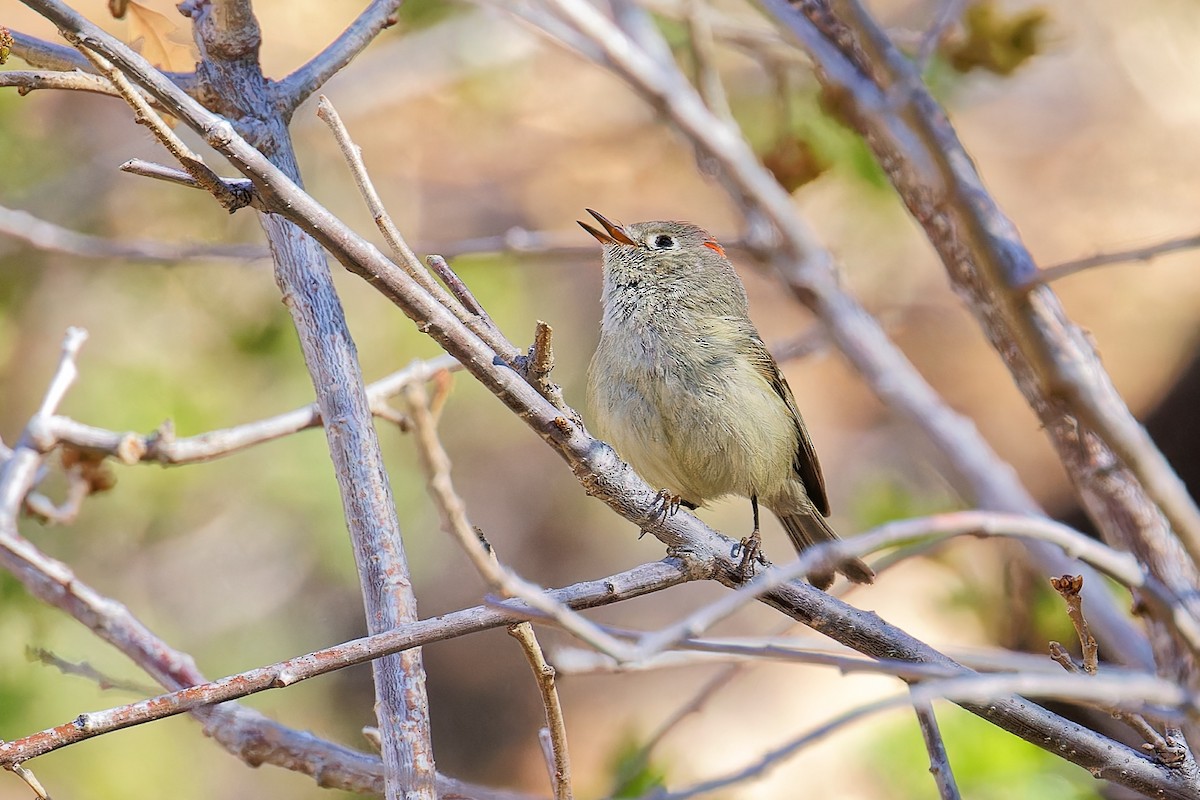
[(806, 465)]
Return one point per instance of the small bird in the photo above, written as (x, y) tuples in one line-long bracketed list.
[(684, 388)]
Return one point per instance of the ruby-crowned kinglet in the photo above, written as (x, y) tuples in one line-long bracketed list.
[(684, 388)]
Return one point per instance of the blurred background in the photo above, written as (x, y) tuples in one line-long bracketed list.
[(1081, 118)]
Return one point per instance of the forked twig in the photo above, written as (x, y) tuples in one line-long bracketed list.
[(1165, 747), (454, 519)]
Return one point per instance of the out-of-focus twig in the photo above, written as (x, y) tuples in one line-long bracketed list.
[(43, 235), (309, 78), (631, 583), (1148, 253), (454, 519), (939, 760)]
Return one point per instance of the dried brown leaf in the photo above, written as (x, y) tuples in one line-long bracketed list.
[(159, 39)]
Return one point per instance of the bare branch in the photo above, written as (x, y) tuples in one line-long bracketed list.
[(25, 227), (1068, 586), (297, 87), (161, 447), (808, 270), (26, 81), (1054, 364), (1121, 566), (631, 583), (47, 55), (1149, 253), (560, 776), (146, 115), (939, 761), (454, 520), (455, 284)]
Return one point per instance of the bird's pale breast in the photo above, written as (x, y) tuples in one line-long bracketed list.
[(691, 414)]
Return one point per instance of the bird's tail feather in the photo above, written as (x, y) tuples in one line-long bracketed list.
[(808, 528)]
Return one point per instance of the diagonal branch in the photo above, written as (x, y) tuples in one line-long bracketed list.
[(808, 269), (305, 81), (25, 227), (705, 553), (161, 447), (1120, 474), (632, 583)]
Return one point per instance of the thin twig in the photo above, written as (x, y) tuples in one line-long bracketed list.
[(939, 761), (631, 583), (26, 81), (457, 287), (85, 670), (539, 362), (25, 774), (403, 255), (1121, 566), (560, 772), (1069, 587), (148, 116), (309, 78), (1167, 750), (947, 12), (638, 761), (1149, 253), (162, 447), (47, 236), (700, 39), (454, 520)]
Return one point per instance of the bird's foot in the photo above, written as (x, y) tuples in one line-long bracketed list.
[(666, 505), (750, 551)]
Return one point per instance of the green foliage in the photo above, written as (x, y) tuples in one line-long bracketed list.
[(885, 497), (419, 14), (634, 773), (988, 763), (997, 42)]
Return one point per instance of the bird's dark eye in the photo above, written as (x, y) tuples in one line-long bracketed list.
[(663, 242)]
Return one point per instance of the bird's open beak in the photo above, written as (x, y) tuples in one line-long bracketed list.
[(612, 233)]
